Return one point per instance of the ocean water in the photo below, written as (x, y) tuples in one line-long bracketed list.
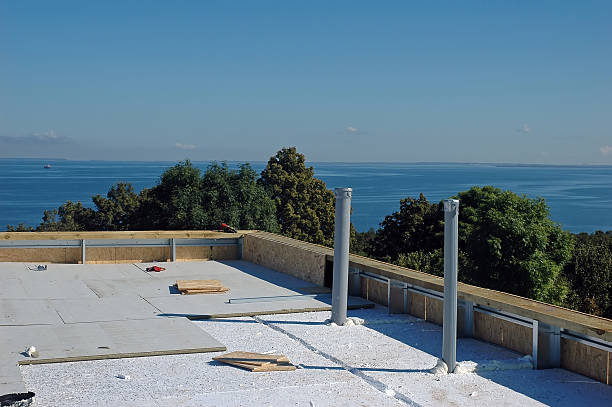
[(579, 197)]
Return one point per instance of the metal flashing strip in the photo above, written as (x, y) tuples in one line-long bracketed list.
[(52, 244), (587, 340), (207, 242), (39, 244), (374, 277), (424, 291)]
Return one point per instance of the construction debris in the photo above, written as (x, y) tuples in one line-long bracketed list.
[(200, 287), (256, 362), (155, 268), (32, 352), (17, 399)]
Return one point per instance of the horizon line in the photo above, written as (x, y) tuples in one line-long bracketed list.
[(318, 162)]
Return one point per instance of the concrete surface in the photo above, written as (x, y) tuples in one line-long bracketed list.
[(382, 363)]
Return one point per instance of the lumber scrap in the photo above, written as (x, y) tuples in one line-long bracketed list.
[(200, 286), (256, 362)]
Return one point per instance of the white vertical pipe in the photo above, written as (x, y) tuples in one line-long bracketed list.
[(341, 254), (449, 326), (83, 252)]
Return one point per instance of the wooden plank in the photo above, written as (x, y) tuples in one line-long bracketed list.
[(152, 234), (193, 292), (197, 284), (252, 357), (268, 367)]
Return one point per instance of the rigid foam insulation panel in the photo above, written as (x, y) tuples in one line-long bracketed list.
[(107, 340)]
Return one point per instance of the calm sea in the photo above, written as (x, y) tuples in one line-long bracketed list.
[(580, 198)]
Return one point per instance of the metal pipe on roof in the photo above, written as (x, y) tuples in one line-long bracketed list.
[(449, 322), (341, 254)]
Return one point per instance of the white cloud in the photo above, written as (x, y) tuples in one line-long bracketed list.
[(525, 129), (185, 146), (351, 129), (47, 137), (605, 150)]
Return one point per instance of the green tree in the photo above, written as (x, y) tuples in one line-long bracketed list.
[(69, 216), (512, 245), (506, 242), (304, 205), (185, 199), (234, 197), (417, 226), (116, 210), (22, 227), (590, 274), (174, 203), (361, 242)]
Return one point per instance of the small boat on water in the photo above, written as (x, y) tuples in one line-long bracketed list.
[(47, 166)]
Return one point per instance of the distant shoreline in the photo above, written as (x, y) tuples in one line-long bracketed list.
[(424, 163)]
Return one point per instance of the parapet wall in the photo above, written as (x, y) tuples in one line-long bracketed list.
[(118, 247), (554, 336)]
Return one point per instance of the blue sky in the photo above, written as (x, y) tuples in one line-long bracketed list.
[(475, 81)]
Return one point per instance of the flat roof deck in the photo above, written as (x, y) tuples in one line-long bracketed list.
[(384, 362)]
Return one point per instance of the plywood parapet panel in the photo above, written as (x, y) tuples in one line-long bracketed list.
[(373, 290), (434, 310), (292, 259), (416, 304), (141, 254), (504, 333), (31, 255), (225, 253), (193, 253), (586, 360)]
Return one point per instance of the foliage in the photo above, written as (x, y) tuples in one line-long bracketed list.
[(589, 274), (72, 217), (183, 199), (506, 242), (361, 242), (417, 226), (174, 203), (114, 211), (304, 205), (512, 244), (22, 227)]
